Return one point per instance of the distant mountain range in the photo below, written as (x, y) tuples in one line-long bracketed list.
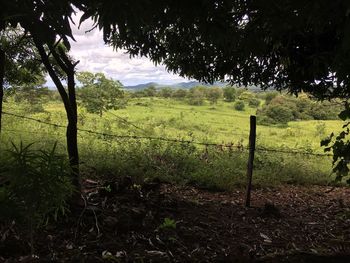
[(181, 85)]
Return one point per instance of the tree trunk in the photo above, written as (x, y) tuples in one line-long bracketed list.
[(2, 77), (70, 106), (72, 129), (72, 147)]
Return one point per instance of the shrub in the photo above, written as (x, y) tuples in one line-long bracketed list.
[(254, 102), (196, 96), (323, 111), (246, 96), (214, 94), (239, 105), (282, 109), (229, 94), (165, 92), (278, 114), (150, 91), (270, 96), (179, 94)]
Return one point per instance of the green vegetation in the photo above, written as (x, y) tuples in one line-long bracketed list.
[(229, 93), (99, 94), (168, 224), (36, 186), (215, 167), (239, 105), (281, 109)]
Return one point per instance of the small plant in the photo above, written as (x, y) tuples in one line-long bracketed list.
[(37, 189), (168, 224), (239, 105), (320, 129)]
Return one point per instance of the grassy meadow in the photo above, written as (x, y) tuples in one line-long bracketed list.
[(209, 167)]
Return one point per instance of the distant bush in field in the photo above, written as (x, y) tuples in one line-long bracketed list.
[(165, 92), (30, 97), (282, 109), (143, 103), (179, 94), (214, 94), (254, 102), (246, 96), (150, 91), (269, 96), (239, 91), (137, 94), (239, 105), (279, 114), (196, 96), (229, 94)]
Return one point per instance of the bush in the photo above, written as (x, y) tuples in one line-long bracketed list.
[(179, 94), (214, 94), (282, 109), (246, 96), (270, 96), (229, 94), (165, 92), (239, 105), (324, 111), (150, 91), (253, 102), (196, 96), (275, 114)]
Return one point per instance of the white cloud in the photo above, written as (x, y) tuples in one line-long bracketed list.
[(95, 56)]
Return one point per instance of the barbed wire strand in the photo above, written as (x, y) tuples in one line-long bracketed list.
[(201, 111), (126, 121), (290, 151), (229, 145)]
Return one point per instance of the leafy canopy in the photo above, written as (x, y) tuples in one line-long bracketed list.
[(289, 44), (99, 94)]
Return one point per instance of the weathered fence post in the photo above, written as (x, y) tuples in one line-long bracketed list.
[(252, 137)]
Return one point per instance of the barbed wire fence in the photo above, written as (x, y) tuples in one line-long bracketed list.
[(251, 148), (158, 138), (136, 137)]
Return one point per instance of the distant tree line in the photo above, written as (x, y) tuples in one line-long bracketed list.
[(198, 94), (280, 109), (98, 93)]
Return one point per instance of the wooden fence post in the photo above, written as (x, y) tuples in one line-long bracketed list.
[(252, 138)]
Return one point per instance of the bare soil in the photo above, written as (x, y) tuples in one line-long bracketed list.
[(123, 222)]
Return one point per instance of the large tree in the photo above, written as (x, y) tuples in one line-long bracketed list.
[(48, 24), (99, 93), (288, 44), (21, 66)]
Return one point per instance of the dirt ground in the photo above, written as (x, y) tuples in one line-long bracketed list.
[(154, 222)]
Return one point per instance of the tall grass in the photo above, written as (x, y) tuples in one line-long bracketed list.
[(180, 162)]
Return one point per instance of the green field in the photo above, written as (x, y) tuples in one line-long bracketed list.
[(175, 161)]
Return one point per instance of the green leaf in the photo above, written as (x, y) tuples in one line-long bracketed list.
[(345, 114)]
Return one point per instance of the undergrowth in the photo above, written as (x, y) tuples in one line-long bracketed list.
[(212, 168), (34, 186)]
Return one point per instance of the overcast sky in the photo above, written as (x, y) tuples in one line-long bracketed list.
[(94, 56)]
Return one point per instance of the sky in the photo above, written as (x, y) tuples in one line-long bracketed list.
[(95, 56)]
